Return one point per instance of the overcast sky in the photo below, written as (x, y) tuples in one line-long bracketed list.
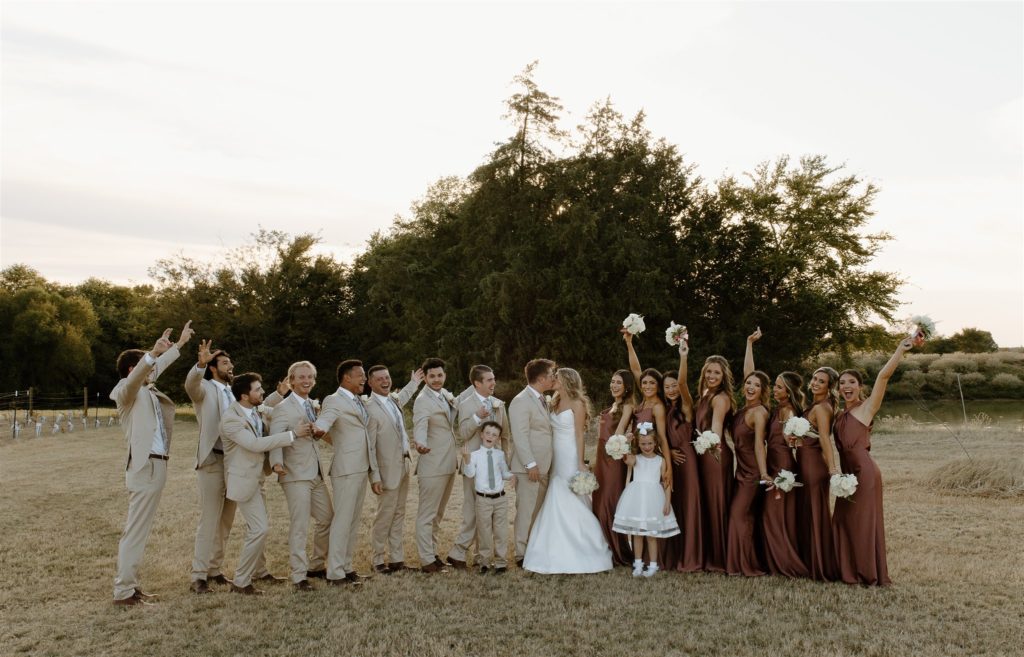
[(133, 132)]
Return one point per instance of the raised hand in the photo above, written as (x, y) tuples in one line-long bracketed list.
[(684, 348), (162, 344), (626, 335), (205, 352), (186, 334), (755, 336), (283, 387), (418, 376)]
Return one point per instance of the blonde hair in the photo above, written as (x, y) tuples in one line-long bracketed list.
[(572, 386), (727, 386), (299, 365)]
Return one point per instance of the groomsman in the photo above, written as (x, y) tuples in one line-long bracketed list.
[(433, 417), (147, 416), (345, 418), (245, 456), (532, 438), (477, 406), (302, 477), (208, 385), (387, 430)]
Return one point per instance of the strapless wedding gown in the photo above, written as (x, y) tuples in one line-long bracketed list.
[(566, 537)]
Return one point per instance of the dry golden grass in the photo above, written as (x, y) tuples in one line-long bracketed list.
[(956, 561)]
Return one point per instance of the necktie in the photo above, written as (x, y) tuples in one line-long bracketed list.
[(489, 405), (227, 400), (310, 414), (159, 417), (396, 415), (362, 409), (490, 469), (258, 422)]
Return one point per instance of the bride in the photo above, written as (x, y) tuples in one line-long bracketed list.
[(566, 537)]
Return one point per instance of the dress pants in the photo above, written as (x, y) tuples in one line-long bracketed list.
[(257, 525), (307, 499), (492, 530), (216, 515), (388, 524), (467, 533), (349, 492), (144, 490), (434, 492), (529, 497)]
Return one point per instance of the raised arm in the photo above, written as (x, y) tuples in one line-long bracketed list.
[(748, 357), (406, 393), (874, 400), (634, 362), (685, 398)]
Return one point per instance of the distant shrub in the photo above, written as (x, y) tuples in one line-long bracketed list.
[(916, 378), (1007, 381), (973, 380), (956, 362)]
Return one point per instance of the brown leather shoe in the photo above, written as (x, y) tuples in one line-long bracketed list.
[(519, 563), (218, 579), (139, 593), (383, 569), (396, 566), (270, 579), (435, 567), (355, 578), (339, 582), (317, 574), (303, 585), (246, 590), (200, 586), (484, 570), (132, 601), (455, 563)]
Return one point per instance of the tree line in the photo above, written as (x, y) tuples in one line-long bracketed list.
[(541, 250)]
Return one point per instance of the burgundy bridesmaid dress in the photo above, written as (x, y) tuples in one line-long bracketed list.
[(611, 480), (778, 520), (741, 544), (715, 489), (814, 521), (859, 521), (685, 551)]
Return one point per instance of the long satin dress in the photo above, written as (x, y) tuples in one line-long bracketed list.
[(814, 521), (778, 520), (859, 522), (684, 552), (715, 489), (741, 545), (611, 480)]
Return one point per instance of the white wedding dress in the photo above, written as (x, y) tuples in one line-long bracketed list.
[(566, 537)]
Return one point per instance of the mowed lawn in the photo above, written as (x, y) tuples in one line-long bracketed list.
[(957, 563)]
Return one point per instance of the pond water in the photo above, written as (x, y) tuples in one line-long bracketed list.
[(1002, 412)]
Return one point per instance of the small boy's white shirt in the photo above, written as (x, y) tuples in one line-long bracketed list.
[(476, 467)]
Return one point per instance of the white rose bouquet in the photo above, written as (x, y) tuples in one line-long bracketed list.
[(785, 481), (676, 334), (583, 483), (645, 428), (634, 324), (709, 440), (843, 485), (617, 446), (796, 426)]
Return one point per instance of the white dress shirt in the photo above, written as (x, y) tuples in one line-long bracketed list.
[(391, 407), (483, 473), (159, 445)]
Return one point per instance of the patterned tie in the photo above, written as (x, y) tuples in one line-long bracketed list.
[(362, 409), (490, 470), (159, 416), (228, 399), (489, 405), (259, 423), (310, 413)]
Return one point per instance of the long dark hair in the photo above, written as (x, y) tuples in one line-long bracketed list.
[(656, 375), (628, 394)]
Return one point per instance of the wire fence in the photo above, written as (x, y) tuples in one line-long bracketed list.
[(27, 414)]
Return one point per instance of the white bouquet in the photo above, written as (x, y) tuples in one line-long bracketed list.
[(583, 483), (843, 485), (785, 481), (921, 326), (617, 446), (676, 334), (634, 324), (796, 426), (645, 428), (709, 440)]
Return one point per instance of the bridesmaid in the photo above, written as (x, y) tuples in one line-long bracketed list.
[(611, 474), (816, 463), (748, 433), (685, 551), (714, 413), (859, 522), (778, 518), (651, 407)]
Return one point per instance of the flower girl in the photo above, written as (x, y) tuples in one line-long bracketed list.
[(645, 507)]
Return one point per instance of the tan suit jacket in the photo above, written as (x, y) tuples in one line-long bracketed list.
[(433, 428), (532, 436), (388, 436), (469, 429), (205, 396), (245, 458), (301, 459), (354, 451), (135, 408)]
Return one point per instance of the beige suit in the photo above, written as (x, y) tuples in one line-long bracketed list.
[(433, 427), (386, 536), (469, 434), (144, 477), (305, 488), (245, 462), (530, 424), (216, 512), (345, 417)]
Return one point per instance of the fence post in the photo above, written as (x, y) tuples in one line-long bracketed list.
[(85, 402), (31, 390), (14, 412)]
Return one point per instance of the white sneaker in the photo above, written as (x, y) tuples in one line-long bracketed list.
[(651, 569), (638, 568)]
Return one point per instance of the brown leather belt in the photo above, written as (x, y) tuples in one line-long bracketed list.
[(491, 496), (162, 457)]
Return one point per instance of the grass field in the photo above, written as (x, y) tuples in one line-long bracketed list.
[(956, 560)]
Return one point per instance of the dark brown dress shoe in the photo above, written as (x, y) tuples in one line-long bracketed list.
[(270, 579), (500, 570), (398, 565), (317, 574), (435, 567), (355, 578), (519, 563), (455, 563), (304, 585), (483, 570), (246, 590), (132, 601), (139, 593), (383, 569), (339, 582), (218, 579), (200, 586)]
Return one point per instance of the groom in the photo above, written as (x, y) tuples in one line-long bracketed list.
[(532, 439)]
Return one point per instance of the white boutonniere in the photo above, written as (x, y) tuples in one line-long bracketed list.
[(393, 396), (262, 409), (448, 396), (315, 403), (496, 403)]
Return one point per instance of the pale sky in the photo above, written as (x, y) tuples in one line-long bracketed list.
[(136, 131)]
